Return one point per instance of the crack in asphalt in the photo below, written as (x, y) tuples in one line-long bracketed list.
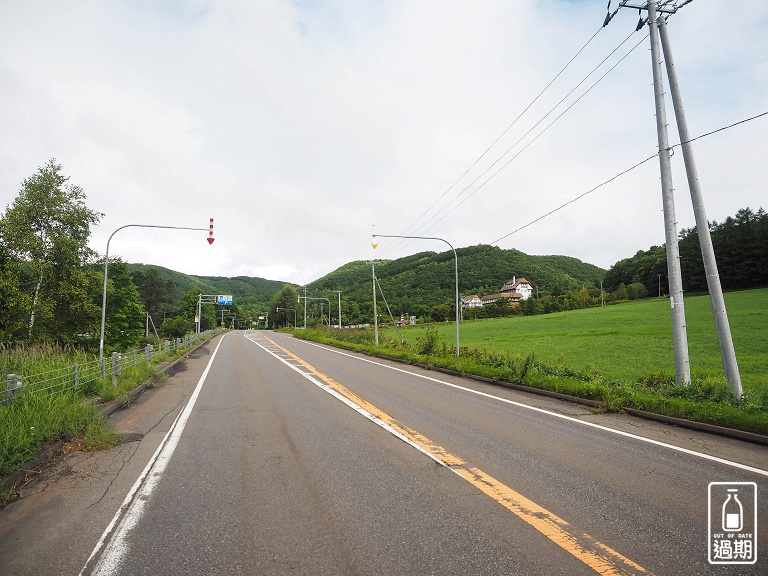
[(125, 460), (134, 439)]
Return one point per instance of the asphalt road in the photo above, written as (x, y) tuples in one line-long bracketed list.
[(263, 454)]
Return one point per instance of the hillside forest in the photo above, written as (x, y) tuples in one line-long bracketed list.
[(51, 281)]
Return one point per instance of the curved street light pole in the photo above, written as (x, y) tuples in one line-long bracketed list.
[(106, 271), (329, 312), (292, 310), (456, 261), (321, 313)]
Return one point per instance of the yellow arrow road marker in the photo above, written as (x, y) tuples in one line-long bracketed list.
[(601, 558)]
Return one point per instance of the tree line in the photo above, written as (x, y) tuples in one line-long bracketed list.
[(741, 249), (51, 282)]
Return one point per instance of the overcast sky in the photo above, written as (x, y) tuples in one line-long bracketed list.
[(299, 125)]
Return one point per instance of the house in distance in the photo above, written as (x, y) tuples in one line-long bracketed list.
[(514, 289)]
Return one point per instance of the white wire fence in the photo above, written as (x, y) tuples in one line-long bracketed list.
[(78, 376)]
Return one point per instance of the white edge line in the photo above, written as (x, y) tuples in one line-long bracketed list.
[(356, 407), (555, 414), (132, 508)]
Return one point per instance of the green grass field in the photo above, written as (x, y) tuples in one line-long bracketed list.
[(626, 341), (618, 355)]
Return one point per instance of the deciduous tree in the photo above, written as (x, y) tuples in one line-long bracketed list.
[(45, 233)]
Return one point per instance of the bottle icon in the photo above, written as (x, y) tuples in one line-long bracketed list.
[(733, 512)]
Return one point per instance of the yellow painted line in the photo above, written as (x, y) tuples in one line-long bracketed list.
[(437, 451), (595, 554), (599, 557)]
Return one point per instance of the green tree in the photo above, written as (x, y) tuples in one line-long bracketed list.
[(176, 327), (125, 316), (636, 291), (531, 307), (45, 233), (12, 299), (286, 298), (188, 311), (621, 294)]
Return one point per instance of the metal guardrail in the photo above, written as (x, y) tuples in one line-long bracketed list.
[(63, 380)]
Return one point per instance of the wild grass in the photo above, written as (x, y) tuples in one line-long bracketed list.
[(35, 416), (619, 355)]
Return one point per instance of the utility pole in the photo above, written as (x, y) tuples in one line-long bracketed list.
[(658, 26), (727, 352), (375, 312), (305, 306), (339, 293), (679, 330), (677, 305)]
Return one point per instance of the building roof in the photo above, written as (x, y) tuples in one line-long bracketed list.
[(514, 283), (497, 296)]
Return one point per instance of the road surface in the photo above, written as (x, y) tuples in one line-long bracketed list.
[(264, 454)]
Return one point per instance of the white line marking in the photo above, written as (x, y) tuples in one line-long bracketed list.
[(350, 403), (555, 414), (132, 508)]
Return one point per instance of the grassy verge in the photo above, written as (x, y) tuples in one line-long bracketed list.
[(619, 356), (32, 419)]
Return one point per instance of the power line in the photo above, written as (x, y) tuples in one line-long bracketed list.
[(576, 198), (624, 172), (531, 141), (500, 136), (719, 129), (421, 229)]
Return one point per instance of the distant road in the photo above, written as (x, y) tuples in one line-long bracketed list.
[(269, 455)]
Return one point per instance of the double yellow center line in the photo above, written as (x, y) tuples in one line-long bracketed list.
[(601, 558)]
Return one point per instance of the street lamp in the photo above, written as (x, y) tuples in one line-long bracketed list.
[(292, 310), (456, 261), (106, 271), (329, 312), (321, 312)]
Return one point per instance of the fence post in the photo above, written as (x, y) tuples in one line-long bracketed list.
[(75, 370), (115, 368), (13, 382), (148, 353)]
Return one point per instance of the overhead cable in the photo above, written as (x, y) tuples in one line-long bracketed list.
[(575, 199), (421, 228), (502, 134), (530, 142), (624, 172)]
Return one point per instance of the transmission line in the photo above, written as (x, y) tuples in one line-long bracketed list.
[(575, 199), (531, 141), (497, 139), (625, 172), (421, 228)]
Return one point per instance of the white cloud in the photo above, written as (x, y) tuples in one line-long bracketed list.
[(299, 125)]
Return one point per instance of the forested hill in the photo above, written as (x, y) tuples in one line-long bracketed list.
[(413, 284), (418, 282), (168, 287)]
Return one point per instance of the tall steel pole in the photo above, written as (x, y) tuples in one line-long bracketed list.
[(375, 312), (106, 271), (679, 332), (339, 293), (456, 262), (730, 366)]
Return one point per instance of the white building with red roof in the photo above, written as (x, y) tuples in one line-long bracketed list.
[(518, 289)]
